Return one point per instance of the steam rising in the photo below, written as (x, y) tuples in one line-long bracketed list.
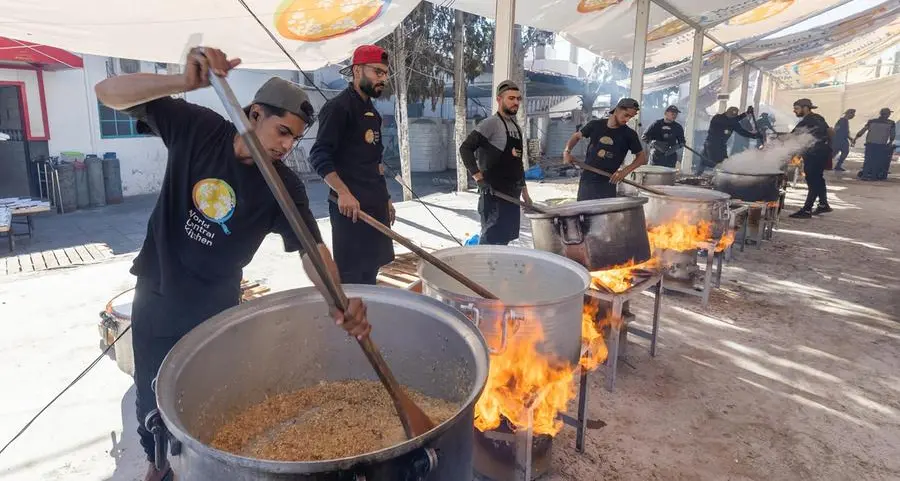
[(772, 158)]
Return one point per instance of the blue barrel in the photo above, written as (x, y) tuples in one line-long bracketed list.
[(96, 189), (112, 178)]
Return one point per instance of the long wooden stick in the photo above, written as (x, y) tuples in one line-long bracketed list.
[(427, 256), (413, 419), (607, 174), (513, 200)]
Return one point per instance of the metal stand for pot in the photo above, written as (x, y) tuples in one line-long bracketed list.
[(712, 276), (736, 211), (768, 221), (616, 337)]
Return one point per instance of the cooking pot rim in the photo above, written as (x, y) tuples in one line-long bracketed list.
[(491, 249), (656, 169), (207, 331), (705, 196), (755, 174), (590, 207)]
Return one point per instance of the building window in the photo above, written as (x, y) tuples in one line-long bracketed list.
[(115, 124)]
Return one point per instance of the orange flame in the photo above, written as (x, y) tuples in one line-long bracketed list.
[(522, 379), (593, 344), (618, 278), (726, 241)]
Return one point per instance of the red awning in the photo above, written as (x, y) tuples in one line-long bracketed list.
[(12, 50)]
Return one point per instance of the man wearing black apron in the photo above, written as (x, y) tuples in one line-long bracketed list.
[(879, 146), (665, 137), (498, 141), (609, 141), (815, 158), (213, 212), (348, 155)]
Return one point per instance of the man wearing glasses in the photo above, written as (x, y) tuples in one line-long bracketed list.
[(348, 155), (213, 212)]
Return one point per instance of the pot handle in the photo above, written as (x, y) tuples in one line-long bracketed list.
[(472, 312), (570, 229)]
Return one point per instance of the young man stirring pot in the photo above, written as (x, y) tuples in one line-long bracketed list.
[(213, 211), (609, 140)]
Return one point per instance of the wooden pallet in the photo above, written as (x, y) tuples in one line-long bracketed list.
[(252, 290), (402, 273)]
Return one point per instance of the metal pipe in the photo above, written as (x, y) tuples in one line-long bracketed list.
[(687, 163)]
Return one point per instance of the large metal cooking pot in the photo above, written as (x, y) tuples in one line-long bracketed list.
[(598, 234), (648, 175), (539, 290), (286, 341), (696, 203), (749, 187)]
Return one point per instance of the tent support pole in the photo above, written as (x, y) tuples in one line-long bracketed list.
[(687, 161)]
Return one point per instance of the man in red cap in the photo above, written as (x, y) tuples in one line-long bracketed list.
[(348, 155)]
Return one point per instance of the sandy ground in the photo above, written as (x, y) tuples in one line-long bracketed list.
[(791, 373)]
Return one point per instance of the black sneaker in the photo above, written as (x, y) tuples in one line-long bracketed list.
[(840, 169), (822, 209), (801, 214)]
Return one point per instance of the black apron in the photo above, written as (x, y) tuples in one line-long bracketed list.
[(593, 186), (664, 160), (358, 247), (500, 220)]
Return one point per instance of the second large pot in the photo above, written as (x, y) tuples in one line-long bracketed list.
[(750, 187), (651, 175), (537, 290), (598, 234)]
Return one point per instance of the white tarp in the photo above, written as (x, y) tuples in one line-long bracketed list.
[(318, 32), (315, 32), (866, 97)]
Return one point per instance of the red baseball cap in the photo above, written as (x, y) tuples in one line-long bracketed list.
[(366, 54), (369, 54)]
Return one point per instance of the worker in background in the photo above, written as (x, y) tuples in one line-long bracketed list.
[(609, 141), (842, 140), (815, 158), (764, 124), (665, 137), (348, 155), (715, 148), (498, 142), (879, 146), (213, 211)]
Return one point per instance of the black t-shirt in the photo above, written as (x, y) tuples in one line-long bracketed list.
[(816, 125), (213, 211), (607, 147)]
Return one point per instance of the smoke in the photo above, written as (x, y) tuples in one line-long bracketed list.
[(772, 158)]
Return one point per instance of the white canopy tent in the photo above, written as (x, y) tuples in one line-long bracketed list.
[(676, 41)]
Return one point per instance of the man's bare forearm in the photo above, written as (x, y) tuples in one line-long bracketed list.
[(126, 91), (334, 181), (573, 141)]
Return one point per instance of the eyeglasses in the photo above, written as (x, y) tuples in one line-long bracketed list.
[(379, 72)]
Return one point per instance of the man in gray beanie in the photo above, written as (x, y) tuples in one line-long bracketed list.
[(213, 211)]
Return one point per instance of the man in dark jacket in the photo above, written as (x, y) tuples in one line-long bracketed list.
[(213, 211), (665, 137), (499, 167), (842, 140), (815, 158), (715, 148), (348, 155), (879, 146)]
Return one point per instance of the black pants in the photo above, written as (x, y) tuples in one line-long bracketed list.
[(815, 183), (157, 323), (500, 220), (664, 160), (844, 150), (359, 277)]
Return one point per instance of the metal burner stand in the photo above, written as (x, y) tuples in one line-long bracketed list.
[(736, 211), (617, 301), (768, 220), (710, 275)]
